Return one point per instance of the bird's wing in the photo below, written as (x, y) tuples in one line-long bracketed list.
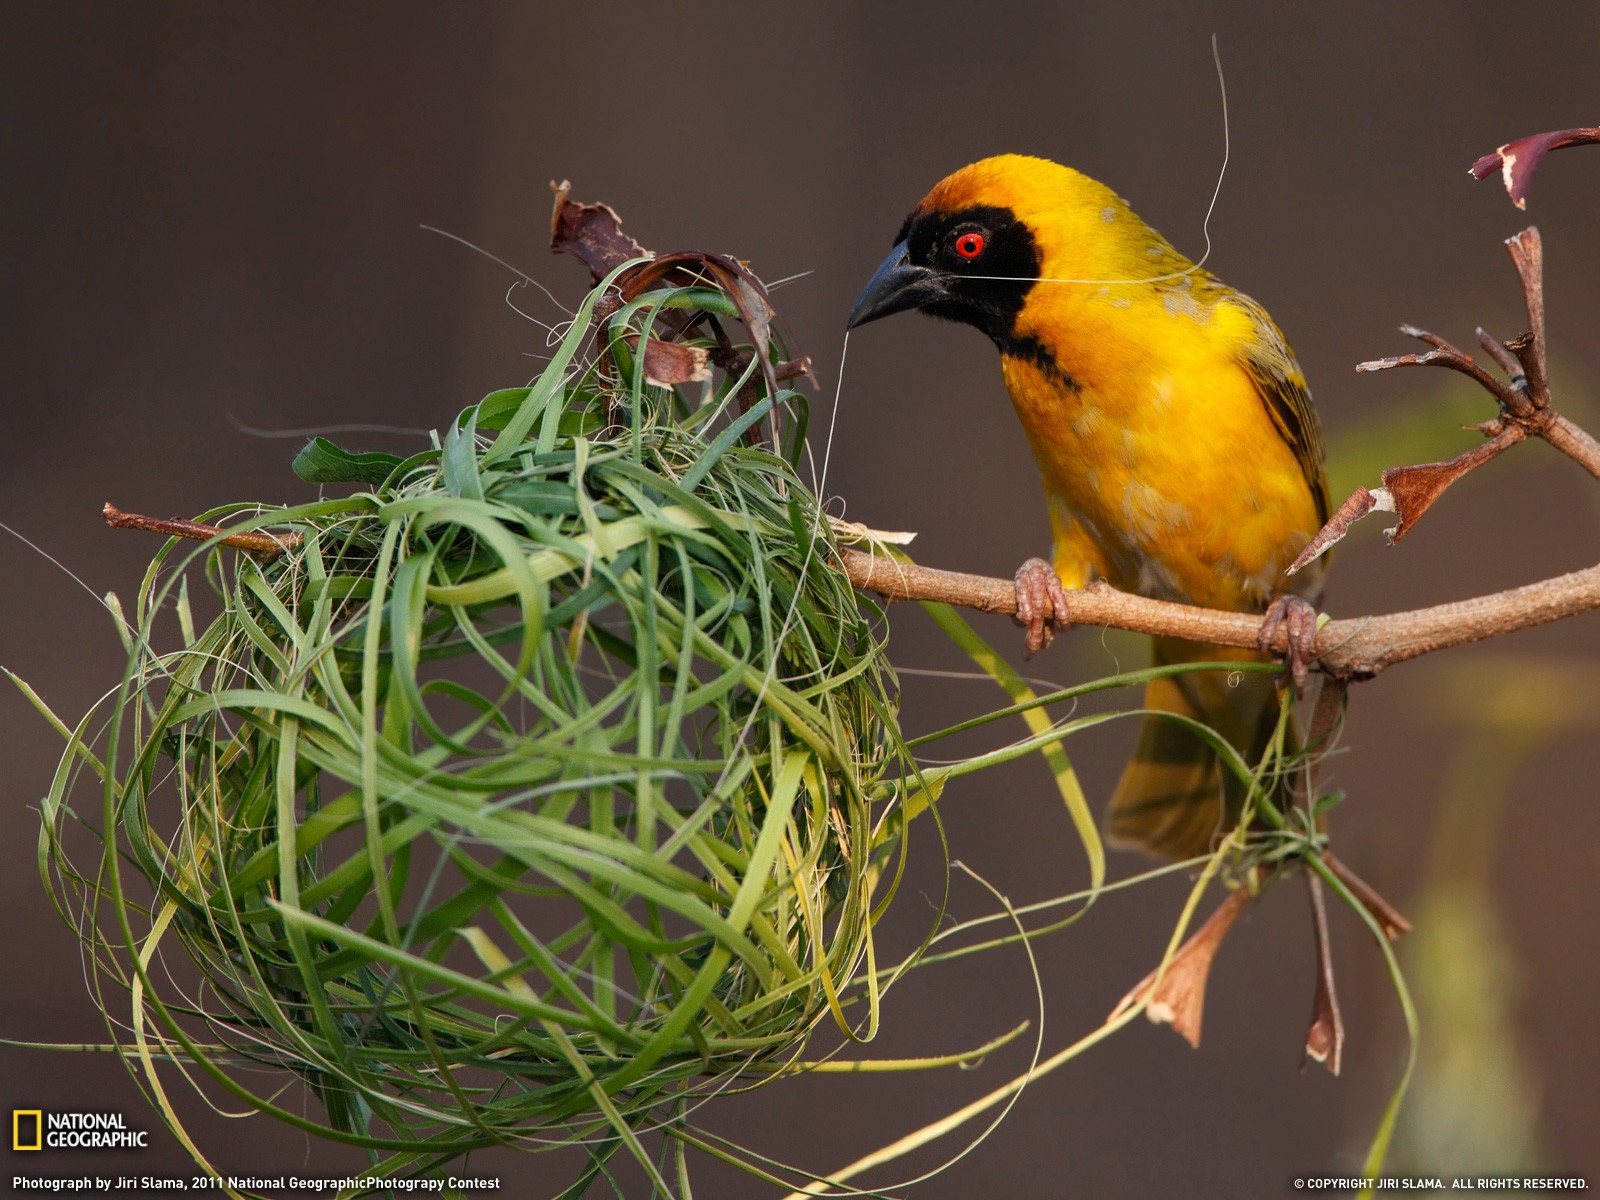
[(1270, 363)]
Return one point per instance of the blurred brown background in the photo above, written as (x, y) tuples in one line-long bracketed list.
[(211, 227)]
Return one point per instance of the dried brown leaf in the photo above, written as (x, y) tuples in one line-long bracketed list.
[(1177, 996), (1516, 161), (667, 363), (593, 233), (1325, 1036), (1414, 489), (590, 232)]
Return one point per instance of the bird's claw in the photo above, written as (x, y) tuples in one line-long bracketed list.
[(1041, 603), (1299, 618)]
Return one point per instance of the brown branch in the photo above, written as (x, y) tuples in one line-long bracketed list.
[(1353, 648), (259, 543), (1574, 442)]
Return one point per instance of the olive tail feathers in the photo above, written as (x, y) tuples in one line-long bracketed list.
[(1174, 799)]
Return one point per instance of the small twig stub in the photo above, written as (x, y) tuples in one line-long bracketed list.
[(252, 540)]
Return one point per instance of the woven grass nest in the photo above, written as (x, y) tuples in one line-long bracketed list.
[(539, 788)]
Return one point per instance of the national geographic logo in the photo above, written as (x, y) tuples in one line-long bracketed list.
[(23, 1120), (35, 1129)]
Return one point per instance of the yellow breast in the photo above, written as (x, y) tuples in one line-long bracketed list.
[(1165, 472)]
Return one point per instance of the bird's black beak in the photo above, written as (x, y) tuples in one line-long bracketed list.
[(895, 286)]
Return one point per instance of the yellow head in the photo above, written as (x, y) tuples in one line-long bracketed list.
[(973, 248)]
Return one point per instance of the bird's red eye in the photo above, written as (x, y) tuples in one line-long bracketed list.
[(970, 245)]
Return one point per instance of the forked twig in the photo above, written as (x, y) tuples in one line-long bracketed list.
[(1522, 398)]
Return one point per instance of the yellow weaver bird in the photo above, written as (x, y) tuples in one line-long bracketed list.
[(1181, 455)]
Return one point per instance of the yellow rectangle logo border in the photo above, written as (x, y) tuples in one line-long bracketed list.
[(38, 1128)]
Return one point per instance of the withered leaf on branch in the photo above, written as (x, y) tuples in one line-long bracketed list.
[(590, 232), (1516, 161), (1523, 396), (1176, 996), (1325, 1036), (1407, 492), (667, 363), (1414, 489), (593, 234)]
